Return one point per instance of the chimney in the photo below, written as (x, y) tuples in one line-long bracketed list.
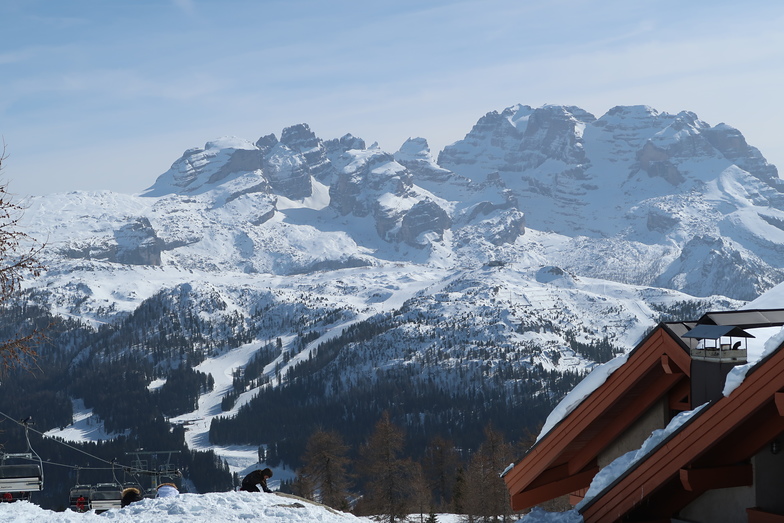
[(715, 350)]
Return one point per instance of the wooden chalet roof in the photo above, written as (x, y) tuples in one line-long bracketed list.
[(712, 450), (565, 459)]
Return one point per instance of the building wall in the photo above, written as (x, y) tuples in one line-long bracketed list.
[(769, 479), (724, 505), (656, 418), (729, 505)]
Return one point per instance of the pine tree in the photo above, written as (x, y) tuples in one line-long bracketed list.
[(486, 496), (389, 491), (323, 476), (440, 464)]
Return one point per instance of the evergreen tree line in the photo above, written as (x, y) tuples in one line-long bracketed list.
[(450, 388), (69, 464), (115, 388), (378, 478)]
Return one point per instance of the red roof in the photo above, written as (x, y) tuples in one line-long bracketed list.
[(565, 459), (711, 451)]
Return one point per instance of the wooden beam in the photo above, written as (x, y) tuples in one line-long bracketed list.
[(665, 363), (700, 480), (680, 396), (755, 433), (663, 503), (534, 496), (757, 515), (550, 475), (779, 399), (716, 424)]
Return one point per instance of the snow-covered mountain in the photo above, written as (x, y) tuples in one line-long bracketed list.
[(635, 196), (645, 197), (544, 241)]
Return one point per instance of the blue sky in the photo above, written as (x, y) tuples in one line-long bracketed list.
[(99, 94)]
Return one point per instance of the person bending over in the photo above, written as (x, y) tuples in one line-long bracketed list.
[(251, 482)]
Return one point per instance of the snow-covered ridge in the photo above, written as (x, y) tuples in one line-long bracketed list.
[(691, 207)]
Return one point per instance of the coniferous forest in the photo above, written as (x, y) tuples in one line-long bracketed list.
[(459, 398)]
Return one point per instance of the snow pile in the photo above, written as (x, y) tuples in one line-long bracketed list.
[(215, 507)]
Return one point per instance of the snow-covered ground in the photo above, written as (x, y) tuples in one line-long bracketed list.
[(86, 426), (214, 508)]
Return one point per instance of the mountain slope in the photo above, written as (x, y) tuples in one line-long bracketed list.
[(324, 276)]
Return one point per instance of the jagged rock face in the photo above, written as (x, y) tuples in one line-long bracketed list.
[(424, 217), (134, 243), (632, 196), (519, 139), (266, 143), (287, 172), (415, 156), (656, 162), (707, 263), (555, 276), (301, 139), (365, 177), (509, 226), (485, 147), (241, 160), (337, 146), (371, 183), (203, 169), (138, 244), (575, 174), (538, 153), (554, 132), (732, 145)]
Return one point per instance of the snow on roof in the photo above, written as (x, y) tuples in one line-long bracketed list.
[(774, 337), (581, 391), (620, 465), (538, 515)]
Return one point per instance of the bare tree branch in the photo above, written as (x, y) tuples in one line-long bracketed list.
[(18, 259)]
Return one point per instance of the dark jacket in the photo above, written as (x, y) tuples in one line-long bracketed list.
[(257, 477)]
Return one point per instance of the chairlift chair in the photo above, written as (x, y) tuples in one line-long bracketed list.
[(24, 477), (20, 479), (105, 496), (79, 498)]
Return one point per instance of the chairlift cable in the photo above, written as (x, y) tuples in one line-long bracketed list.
[(113, 463), (30, 448)]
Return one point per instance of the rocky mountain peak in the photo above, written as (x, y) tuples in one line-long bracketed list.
[(347, 142), (266, 142), (301, 139), (414, 149), (633, 176)]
